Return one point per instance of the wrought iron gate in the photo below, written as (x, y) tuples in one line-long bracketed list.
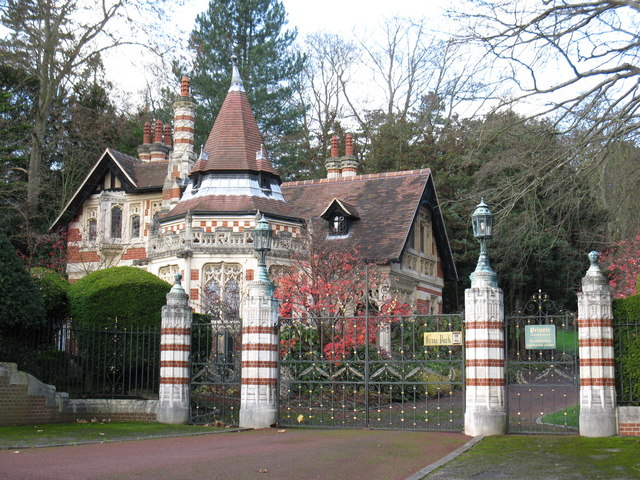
[(215, 372), (542, 369), (373, 372)]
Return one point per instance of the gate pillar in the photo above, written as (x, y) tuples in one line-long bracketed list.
[(175, 347), (485, 412), (595, 334), (258, 392)]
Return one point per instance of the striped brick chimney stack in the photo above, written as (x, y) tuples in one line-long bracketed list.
[(184, 109), (182, 157), (597, 376), (175, 347), (332, 164), (349, 164)]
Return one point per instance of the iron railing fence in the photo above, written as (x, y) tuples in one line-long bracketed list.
[(626, 341), (215, 372), (542, 373), (89, 363), (372, 371)]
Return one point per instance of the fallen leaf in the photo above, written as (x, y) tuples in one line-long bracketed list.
[(40, 431), (102, 434), (263, 470), (281, 431), (17, 451)]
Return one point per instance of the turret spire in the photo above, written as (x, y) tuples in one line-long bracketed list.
[(236, 79)]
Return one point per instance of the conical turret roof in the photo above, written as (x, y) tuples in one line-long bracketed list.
[(235, 142)]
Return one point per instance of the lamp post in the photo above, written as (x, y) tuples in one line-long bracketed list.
[(262, 237), (482, 223)]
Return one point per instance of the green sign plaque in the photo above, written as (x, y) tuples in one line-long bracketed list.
[(540, 336)]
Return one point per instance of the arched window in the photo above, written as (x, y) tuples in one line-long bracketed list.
[(92, 227), (135, 226), (116, 222), (221, 296)]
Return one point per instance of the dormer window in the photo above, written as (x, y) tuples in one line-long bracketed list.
[(265, 184), (340, 216)]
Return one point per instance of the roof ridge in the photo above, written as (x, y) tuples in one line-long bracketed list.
[(366, 176)]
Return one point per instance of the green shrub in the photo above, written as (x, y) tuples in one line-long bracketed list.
[(119, 297), (21, 305), (55, 293), (627, 348)]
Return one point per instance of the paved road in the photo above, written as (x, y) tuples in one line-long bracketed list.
[(263, 454)]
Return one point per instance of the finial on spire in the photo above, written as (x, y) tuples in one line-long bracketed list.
[(236, 80)]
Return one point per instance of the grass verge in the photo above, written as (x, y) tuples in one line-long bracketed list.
[(534, 457), (566, 417), (74, 433)]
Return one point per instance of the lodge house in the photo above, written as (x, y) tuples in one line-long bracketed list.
[(167, 211)]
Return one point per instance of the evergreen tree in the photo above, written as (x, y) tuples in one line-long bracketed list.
[(253, 30), (21, 304)]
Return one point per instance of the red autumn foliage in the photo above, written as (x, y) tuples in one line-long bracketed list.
[(622, 265), (331, 291)]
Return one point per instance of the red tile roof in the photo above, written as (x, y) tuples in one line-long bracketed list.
[(235, 138), (387, 204)]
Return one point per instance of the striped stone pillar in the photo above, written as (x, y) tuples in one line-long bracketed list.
[(175, 347), (595, 334), (258, 401), (485, 412)]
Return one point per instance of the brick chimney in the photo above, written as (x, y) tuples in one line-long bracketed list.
[(332, 164), (158, 149), (143, 150), (349, 164)]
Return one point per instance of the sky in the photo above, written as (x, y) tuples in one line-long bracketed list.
[(332, 16)]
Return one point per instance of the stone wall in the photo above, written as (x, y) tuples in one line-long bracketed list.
[(25, 400)]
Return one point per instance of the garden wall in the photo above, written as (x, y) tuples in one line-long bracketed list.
[(629, 421), (25, 400)]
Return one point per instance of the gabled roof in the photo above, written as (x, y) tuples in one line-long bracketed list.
[(387, 204), (235, 141), (135, 176), (336, 204)]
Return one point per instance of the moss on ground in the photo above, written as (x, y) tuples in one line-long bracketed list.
[(546, 457), (74, 433)]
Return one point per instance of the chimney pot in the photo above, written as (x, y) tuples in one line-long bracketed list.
[(334, 147), (158, 132), (167, 135), (146, 136), (349, 146), (185, 86)]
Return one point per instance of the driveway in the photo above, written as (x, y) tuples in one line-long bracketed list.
[(298, 454)]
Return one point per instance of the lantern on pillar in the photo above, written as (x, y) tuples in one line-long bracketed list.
[(262, 237), (482, 223)]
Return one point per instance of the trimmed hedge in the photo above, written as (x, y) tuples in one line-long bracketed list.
[(626, 312), (21, 305), (55, 293), (120, 297)]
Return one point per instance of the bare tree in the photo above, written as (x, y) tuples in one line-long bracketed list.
[(327, 76), (575, 63), (51, 41)]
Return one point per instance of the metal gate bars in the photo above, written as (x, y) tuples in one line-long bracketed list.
[(542, 370), (373, 372)]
